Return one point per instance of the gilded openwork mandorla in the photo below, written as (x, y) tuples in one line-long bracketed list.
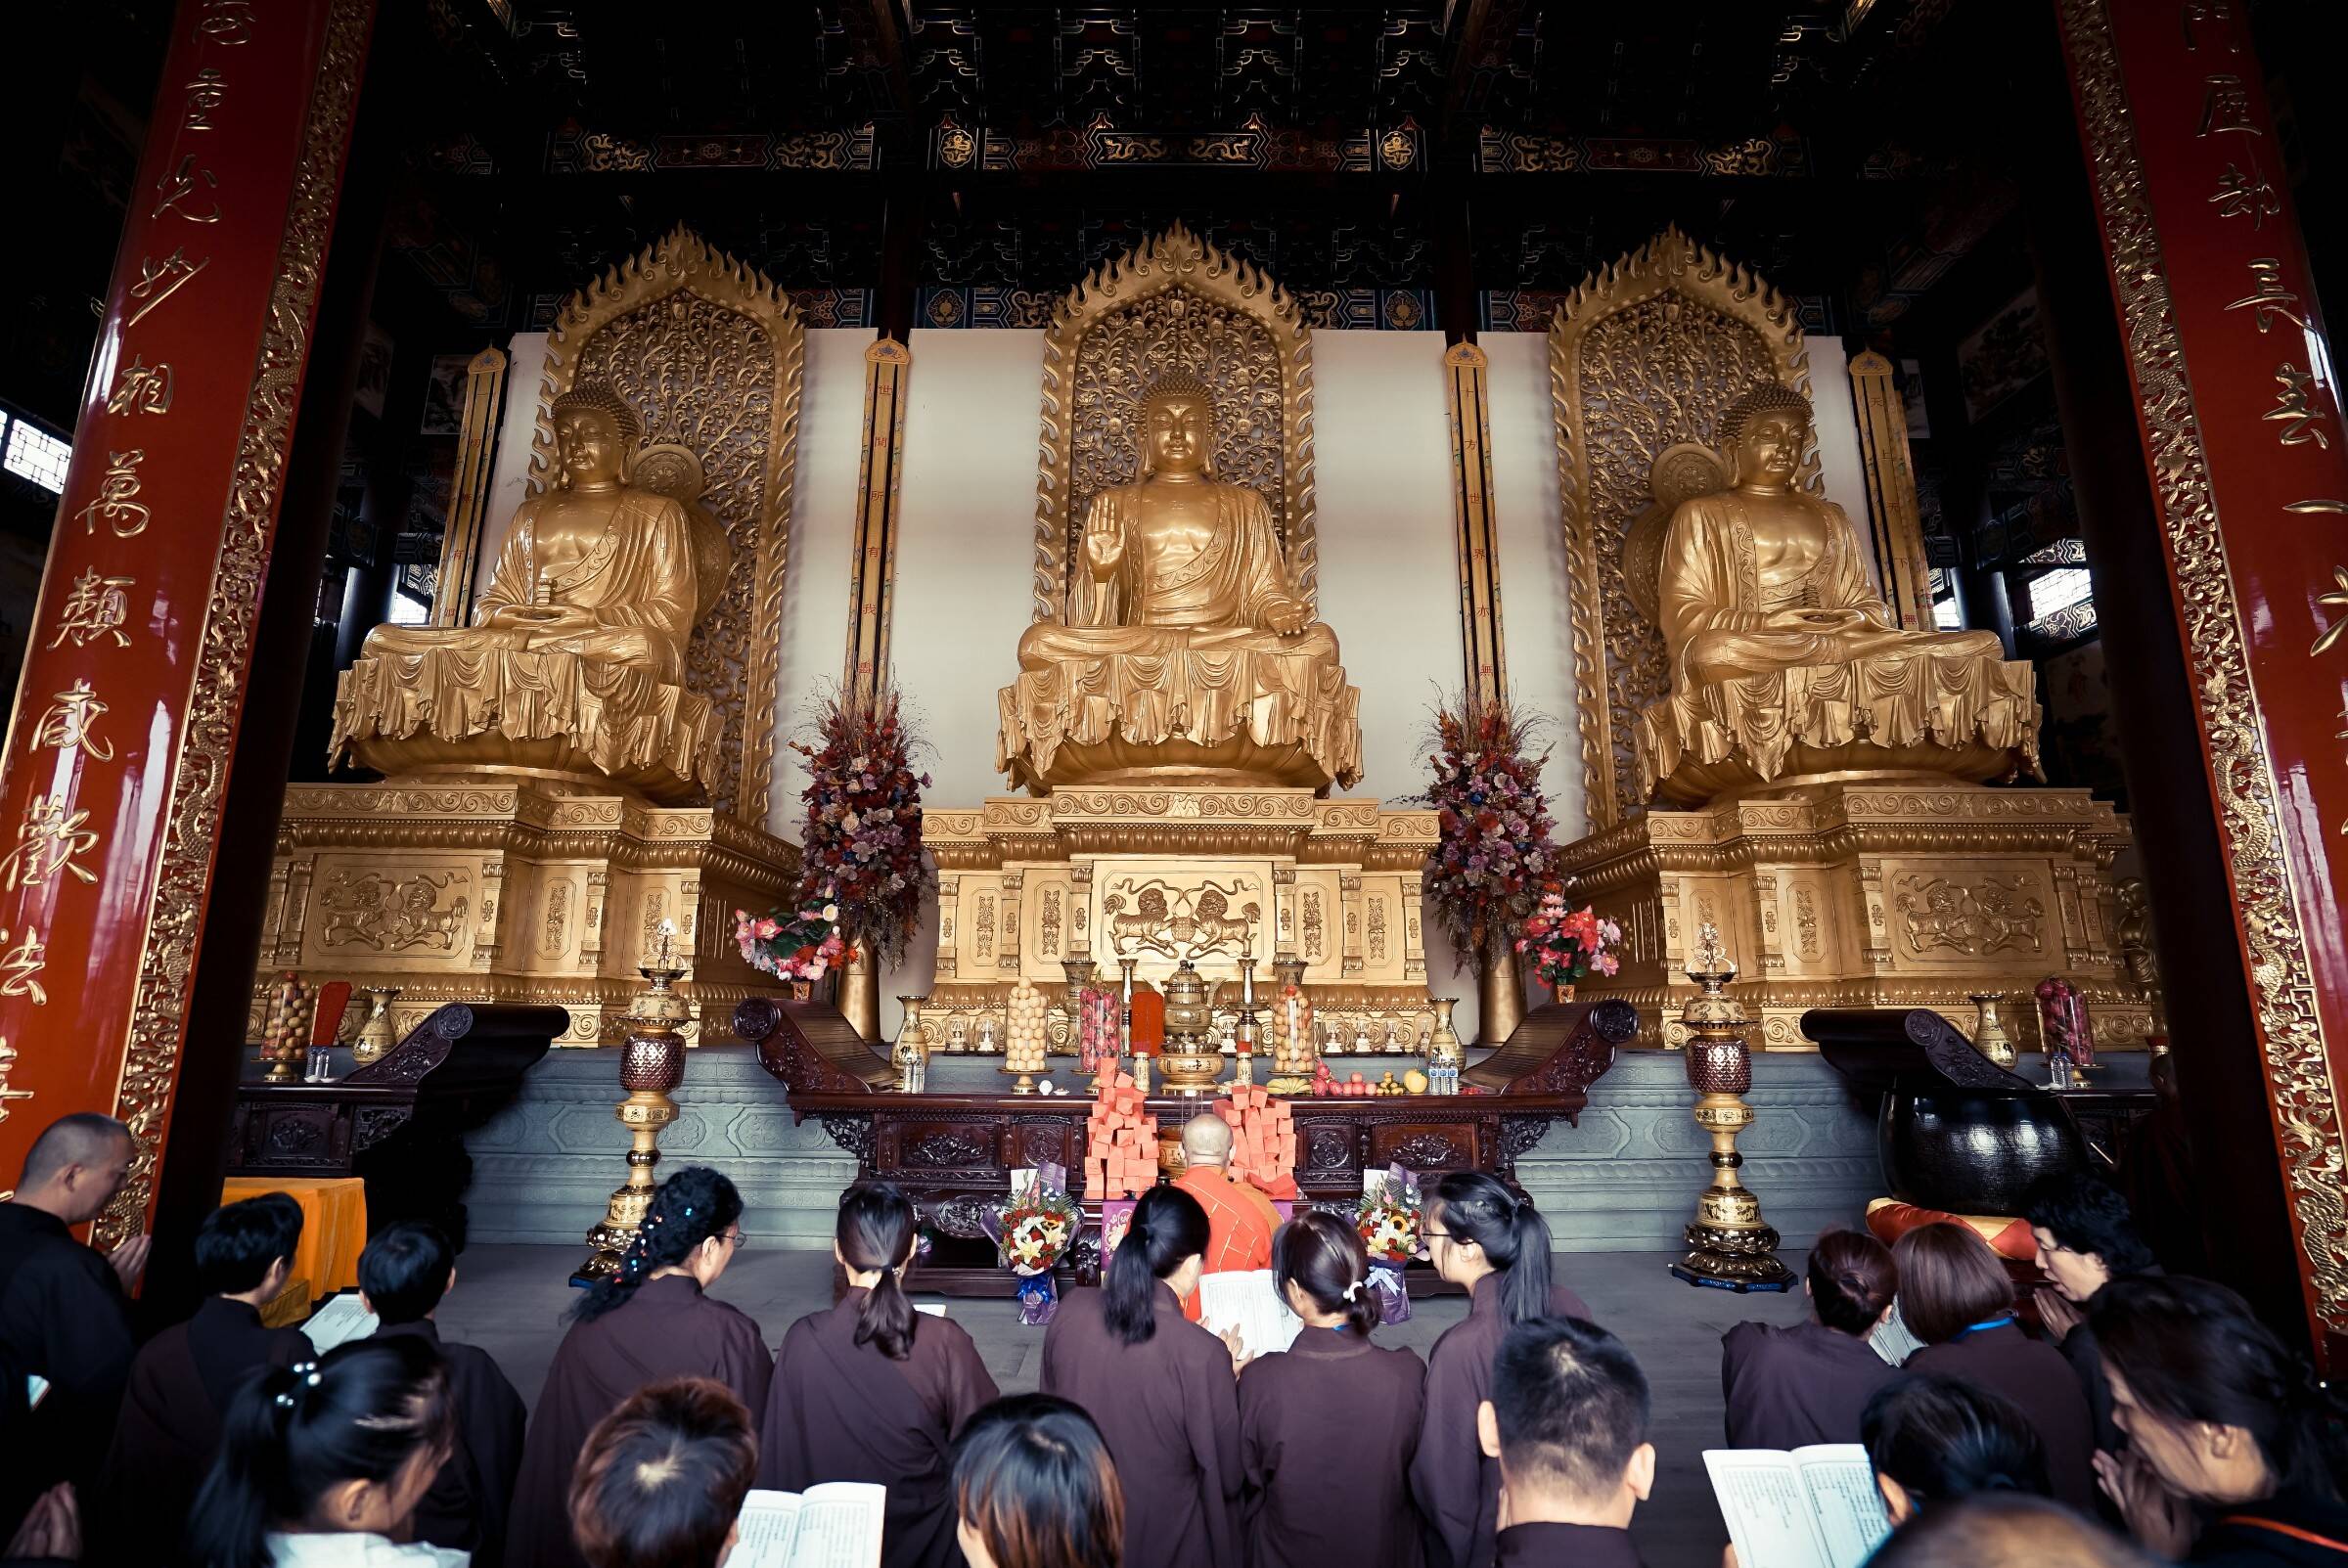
[(709, 355), (1645, 356), (1175, 304)]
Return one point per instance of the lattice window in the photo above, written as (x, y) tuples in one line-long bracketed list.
[(37, 455)]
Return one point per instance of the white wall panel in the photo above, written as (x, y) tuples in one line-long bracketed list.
[(823, 536)]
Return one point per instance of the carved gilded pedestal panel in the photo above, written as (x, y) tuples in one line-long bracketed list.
[(1210, 876), (513, 892), (1854, 896)]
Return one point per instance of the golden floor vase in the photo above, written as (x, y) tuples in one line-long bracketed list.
[(860, 995), (1499, 992)]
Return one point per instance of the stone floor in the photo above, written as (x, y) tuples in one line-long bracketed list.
[(510, 1300)]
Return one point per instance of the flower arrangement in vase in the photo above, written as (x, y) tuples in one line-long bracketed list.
[(1492, 853), (1567, 945), (861, 845)]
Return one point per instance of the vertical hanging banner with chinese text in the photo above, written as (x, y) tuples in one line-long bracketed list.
[(126, 715), (2240, 417)]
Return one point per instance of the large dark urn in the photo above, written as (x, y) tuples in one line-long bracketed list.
[(1955, 1131)]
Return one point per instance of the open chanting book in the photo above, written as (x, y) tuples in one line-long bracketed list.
[(835, 1525), (339, 1321), (1247, 1299), (1814, 1507)]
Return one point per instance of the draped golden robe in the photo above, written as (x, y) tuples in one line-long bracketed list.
[(1753, 699), (1177, 670)]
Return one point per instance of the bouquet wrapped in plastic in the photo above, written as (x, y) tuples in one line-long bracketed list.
[(805, 945), (1387, 1219), (1032, 1231), (1567, 945)]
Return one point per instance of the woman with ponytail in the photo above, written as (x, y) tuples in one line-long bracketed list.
[(870, 1390), (1493, 1243), (2234, 1450), (647, 1322), (1159, 1386), (1786, 1388), (1331, 1380), (322, 1463)]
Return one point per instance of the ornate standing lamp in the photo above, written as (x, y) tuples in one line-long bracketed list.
[(1728, 1247), (652, 1064)]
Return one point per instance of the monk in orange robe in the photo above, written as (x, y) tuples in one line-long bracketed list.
[(1239, 1220)]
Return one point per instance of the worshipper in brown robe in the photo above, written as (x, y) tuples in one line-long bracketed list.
[(1328, 1426), (662, 1478), (1483, 1236), (1785, 1388), (648, 1322), (182, 1379), (1566, 1426), (1159, 1387), (1239, 1220), (1956, 1297), (2086, 1238), (1034, 1488), (63, 1314), (1933, 1440), (872, 1390), (405, 1271)]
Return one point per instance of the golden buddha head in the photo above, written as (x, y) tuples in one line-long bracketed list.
[(1178, 426), (1764, 434), (596, 433)]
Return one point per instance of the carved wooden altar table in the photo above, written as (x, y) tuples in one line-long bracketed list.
[(953, 1150)]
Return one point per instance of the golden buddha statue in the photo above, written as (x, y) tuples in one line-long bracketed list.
[(1196, 658), (1785, 663), (571, 668)]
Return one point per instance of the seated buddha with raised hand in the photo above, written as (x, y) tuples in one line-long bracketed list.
[(1195, 657)]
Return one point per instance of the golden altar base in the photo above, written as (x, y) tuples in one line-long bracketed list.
[(1856, 895), (1210, 875), (514, 889)]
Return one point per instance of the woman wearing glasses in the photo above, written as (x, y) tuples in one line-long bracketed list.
[(870, 1390), (1479, 1234), (648, 1322)]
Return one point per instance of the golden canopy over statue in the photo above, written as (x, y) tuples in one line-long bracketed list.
[(1196, 658), (1785, 661), (573, 664)]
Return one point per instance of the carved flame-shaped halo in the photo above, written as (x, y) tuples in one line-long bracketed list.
[(738, 646), (1174, 260), (1603, 623)]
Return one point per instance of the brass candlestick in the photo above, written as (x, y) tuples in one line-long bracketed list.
[(1728, 1247), (652, 1064)]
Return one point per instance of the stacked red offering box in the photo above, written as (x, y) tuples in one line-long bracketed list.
[(1263, 1139), (1120, 1140)]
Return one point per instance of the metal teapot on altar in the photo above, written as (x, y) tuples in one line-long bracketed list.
[(1189, 1062)]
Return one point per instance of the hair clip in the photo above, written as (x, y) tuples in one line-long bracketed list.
[(315, 1378), (301, 1366), (285, 1402), (1353, 1291)]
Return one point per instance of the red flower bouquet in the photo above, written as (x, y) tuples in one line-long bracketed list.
[(861, 848), (1566, 945)]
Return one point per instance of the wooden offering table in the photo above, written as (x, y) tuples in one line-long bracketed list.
[(400, 1121), (953, 1149)]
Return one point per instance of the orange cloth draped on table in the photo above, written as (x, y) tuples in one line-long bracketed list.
[(334, 1224)]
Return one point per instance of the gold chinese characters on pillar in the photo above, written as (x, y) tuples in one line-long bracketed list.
[(1175, 639)]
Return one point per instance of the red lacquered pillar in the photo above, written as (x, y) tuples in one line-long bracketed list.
[(2239, 418), (118, 753)]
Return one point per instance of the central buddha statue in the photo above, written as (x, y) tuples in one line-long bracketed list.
[(1785, 663), (572, 668), (1195, 657)]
